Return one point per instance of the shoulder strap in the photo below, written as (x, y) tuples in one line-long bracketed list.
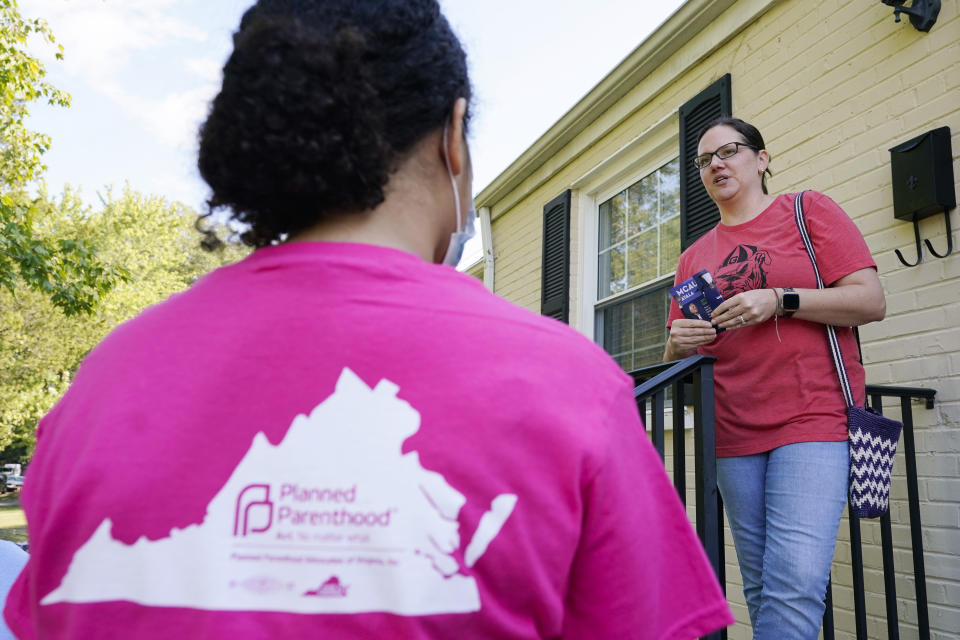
[(831, 332)]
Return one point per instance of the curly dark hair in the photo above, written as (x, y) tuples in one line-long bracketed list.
[(320, 100)]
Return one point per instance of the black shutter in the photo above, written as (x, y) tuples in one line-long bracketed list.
[(555, 288), (698, 213)]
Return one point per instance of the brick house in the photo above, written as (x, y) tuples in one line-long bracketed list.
[(832, 86)]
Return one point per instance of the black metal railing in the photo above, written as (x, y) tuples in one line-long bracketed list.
[(690, 382), (906, 395)]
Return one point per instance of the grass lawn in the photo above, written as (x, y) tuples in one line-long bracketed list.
[(13, 524)]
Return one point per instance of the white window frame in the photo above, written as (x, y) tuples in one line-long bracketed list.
[(641, 156)]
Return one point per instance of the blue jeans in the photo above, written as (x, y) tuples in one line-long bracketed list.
[(784, 509)]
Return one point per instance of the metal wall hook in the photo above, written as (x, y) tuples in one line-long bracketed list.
[(916, 235), (926, 241)]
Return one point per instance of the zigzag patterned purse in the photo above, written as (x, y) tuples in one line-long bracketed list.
[(873, 438)]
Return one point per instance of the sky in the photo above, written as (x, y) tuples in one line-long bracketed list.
[(142, 72)]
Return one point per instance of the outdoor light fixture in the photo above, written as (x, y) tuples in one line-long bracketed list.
[(923, 13), (922, 172)]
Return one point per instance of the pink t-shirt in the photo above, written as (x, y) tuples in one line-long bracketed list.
[(770, 390), (343, 441)]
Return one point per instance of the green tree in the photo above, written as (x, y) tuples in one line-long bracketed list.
[(66, 270), (40, 348)]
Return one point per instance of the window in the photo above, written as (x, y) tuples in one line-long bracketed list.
[(639, 245)]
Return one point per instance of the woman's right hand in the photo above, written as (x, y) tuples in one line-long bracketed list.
[(686, 336)]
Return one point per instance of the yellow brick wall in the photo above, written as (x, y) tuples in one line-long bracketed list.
[(475, 270), (518, 252), (832, 85)]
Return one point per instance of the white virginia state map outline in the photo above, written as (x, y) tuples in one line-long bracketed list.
[(334, 519)]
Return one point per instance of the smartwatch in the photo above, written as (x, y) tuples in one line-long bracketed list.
[(790, 301)]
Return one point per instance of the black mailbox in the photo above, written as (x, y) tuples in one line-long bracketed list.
[(923, 175)]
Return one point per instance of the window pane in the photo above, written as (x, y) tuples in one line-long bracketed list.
[(634, 331), (618, 330), (605, 225), (669, 245), (613, 220), (648, 322), (643, 257), (643, 205), (625, 360), (669, 190), (613, 277), (650, 316)]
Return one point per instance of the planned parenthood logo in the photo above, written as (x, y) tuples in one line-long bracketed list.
[(253, 507)]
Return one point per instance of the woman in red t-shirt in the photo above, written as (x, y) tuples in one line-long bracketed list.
[(782, 457)]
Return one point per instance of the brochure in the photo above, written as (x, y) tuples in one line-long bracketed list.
[(698, 296)]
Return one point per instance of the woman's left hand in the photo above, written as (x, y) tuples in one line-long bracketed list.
[(746, 309)]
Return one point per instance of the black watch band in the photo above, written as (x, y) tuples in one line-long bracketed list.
[(790, 301)]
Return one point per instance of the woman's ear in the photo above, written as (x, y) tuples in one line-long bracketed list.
[(763, 159), (456, 147)]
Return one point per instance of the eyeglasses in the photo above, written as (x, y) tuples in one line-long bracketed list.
[(728, 150)]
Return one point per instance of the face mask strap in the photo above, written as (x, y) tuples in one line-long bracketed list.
[(453, 183)]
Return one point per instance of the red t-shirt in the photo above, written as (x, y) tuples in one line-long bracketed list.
[(769, 391)]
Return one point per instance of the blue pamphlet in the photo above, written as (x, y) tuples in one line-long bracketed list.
[(698, 296)]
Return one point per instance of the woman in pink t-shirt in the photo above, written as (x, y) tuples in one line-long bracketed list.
[(342, 436), (782, 457)]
